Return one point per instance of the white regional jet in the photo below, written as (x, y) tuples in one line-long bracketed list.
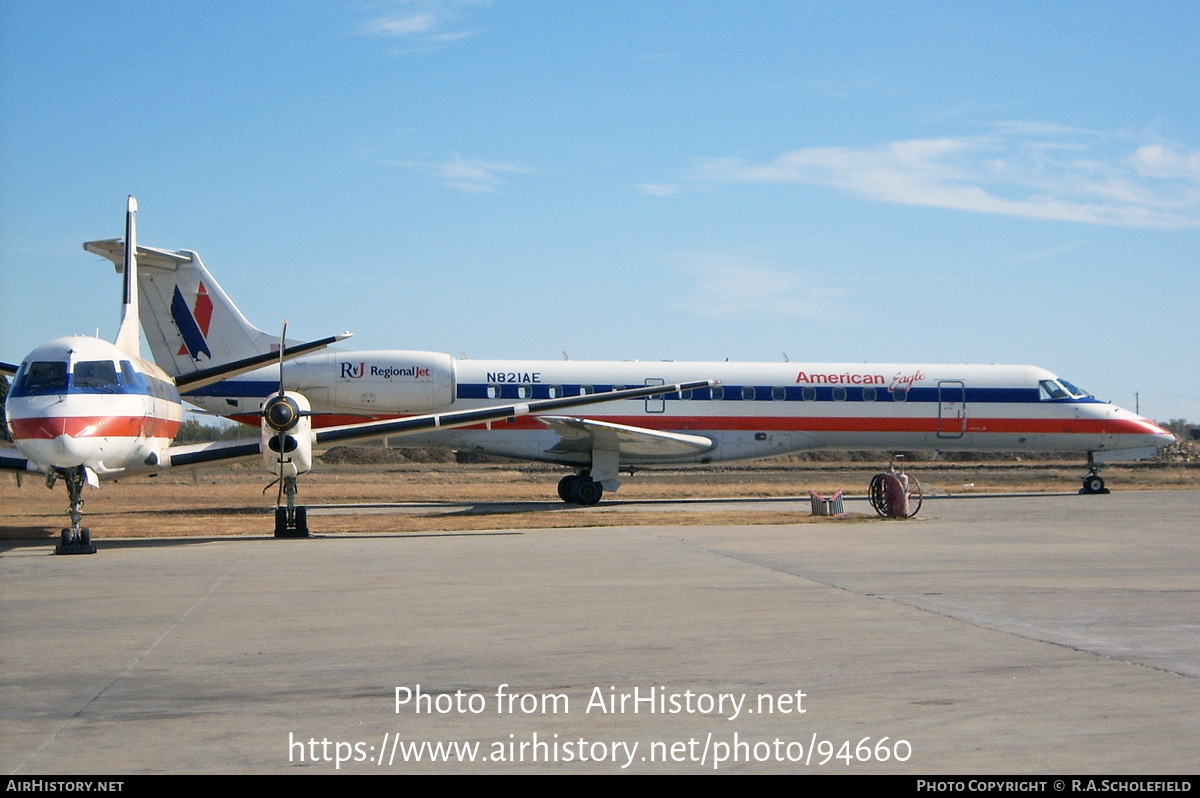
[(755, 410), (81, 409)]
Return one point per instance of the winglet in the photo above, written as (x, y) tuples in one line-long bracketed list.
[(129, 336)]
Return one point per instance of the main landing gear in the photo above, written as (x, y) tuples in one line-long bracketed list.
[(290, 521), (77, 539), (580, 489)]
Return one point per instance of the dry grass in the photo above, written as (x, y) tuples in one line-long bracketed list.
[(230, 501)]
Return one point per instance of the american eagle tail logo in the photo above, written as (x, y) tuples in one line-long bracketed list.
[(193, 323)]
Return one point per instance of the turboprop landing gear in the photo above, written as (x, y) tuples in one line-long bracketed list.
[(580, 489), (291, 521), (76, 540)]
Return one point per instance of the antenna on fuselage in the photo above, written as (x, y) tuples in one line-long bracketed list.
[(129, 336)]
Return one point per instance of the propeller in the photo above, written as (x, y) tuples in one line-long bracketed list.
[(281, 414)]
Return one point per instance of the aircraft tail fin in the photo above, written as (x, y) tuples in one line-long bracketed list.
[(191, 324), (129, 335)]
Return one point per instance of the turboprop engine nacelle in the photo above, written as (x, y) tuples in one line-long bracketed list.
[(287, 434)]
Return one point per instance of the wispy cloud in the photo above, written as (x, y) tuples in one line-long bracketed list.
[(1027, 169), (1051, 253), (660, 189), (425, 23), (465, 174), (728, 286)]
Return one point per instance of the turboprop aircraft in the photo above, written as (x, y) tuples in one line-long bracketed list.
[(756, 410), (81, 409)]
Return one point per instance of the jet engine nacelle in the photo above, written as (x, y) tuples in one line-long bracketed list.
[(287, 434), (390, 381)]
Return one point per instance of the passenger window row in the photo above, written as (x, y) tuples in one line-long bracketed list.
[(745, 393)]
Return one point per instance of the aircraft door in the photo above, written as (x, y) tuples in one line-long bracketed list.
[(655, 404), (952, 409)]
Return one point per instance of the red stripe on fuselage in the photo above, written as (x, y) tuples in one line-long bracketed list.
[(93, 427), (1026, 426)]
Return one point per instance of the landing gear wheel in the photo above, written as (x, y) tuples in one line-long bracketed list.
[(1093, 483), (564, 487), (296, 527), (585, 491), (66, 538)]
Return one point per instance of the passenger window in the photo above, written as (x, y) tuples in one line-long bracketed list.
[(900, 395), (718, 392), (868, 394), (556, 391), (686, 394), (748, 393), (585, 390), (524, 391), (839, 394), (618, 387), (778, 393), (493, 392), (808, 393)]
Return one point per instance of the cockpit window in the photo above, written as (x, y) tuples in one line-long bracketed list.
[(131, 377), (45, 377), (1074, 391), (95, 374), (1061, 389), (1051, 389)]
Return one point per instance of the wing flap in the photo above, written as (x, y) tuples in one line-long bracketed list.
[(584, 434)]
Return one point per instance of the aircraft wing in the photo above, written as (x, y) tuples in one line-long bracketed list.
[(197, 453), (13, 460), (584, 434), (8, 369)]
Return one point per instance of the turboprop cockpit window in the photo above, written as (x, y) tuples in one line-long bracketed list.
[(132, 378), (43, 377), (95, 374), (1052, 390)]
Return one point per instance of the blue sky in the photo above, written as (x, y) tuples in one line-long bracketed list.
[(931, 182)]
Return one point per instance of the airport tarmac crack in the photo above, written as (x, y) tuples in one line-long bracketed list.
[(892, 599), (126, 671)]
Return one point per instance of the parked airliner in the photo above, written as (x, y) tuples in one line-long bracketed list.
[(757, 409), (81, 409)]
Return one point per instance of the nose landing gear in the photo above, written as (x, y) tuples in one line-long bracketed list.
[(77, 539), (1093, 482)]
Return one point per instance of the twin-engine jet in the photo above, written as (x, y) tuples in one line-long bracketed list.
[(756, 410), (81, 410)]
